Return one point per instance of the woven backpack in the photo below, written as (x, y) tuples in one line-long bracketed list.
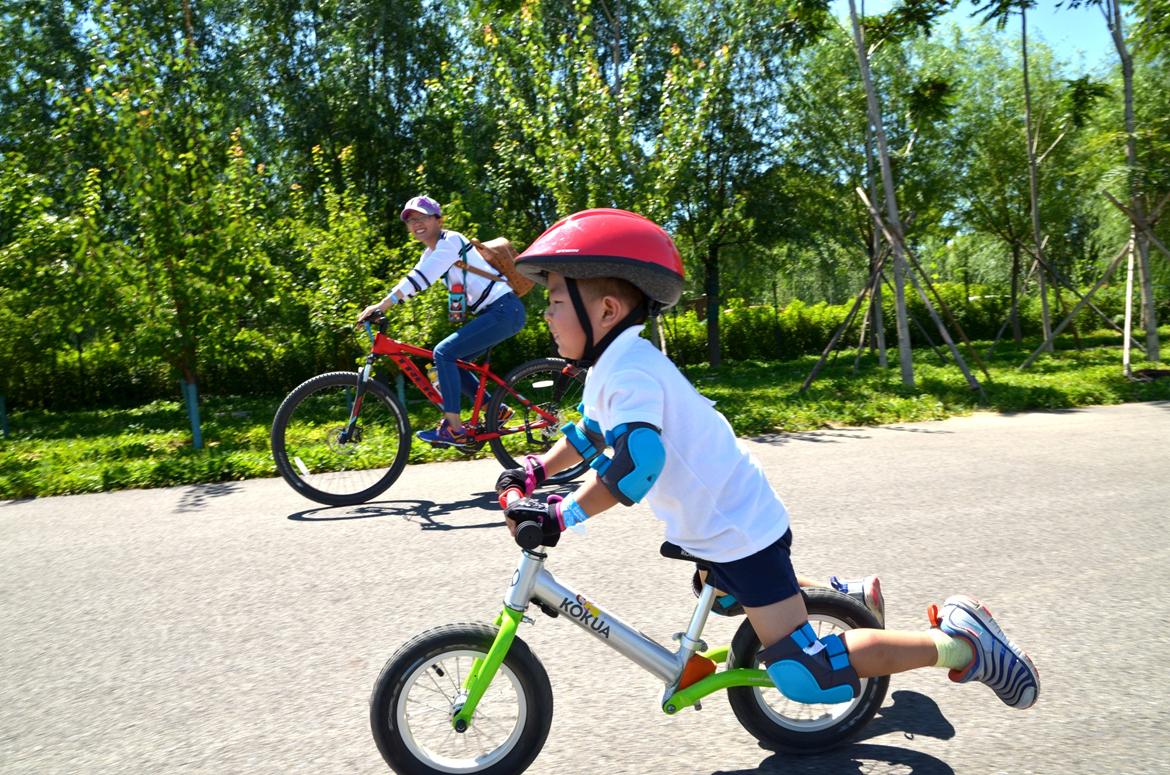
[(500, 256)]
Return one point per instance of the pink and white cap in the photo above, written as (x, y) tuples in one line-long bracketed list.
[(421, 204)]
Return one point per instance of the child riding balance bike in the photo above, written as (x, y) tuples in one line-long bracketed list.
[(606, 272)]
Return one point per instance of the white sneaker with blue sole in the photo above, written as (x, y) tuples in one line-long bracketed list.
[(998, 662), (867, 591)]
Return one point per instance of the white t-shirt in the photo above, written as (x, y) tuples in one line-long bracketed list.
[(712, 494), (435, 263)]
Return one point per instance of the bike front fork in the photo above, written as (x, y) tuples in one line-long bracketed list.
[(355, 408), (479, 678)]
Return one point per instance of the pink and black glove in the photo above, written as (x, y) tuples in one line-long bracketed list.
[(525, 479), (534, 523)]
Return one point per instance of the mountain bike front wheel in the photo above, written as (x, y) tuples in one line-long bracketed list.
[(323, 457), (422, 687), (794, 727), (554, 386)]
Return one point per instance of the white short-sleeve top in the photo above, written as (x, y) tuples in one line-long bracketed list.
[(712, 493)]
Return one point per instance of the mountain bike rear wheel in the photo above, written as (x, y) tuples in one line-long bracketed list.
[(557, 388), (794, 727), (421, 687), (314, 454)]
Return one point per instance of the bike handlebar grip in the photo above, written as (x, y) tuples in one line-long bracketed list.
[(510, 496), (529, 535)]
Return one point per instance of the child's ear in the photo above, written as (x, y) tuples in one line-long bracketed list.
[(611, 310)]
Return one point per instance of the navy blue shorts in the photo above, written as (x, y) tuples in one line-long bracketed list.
[(759, 579)]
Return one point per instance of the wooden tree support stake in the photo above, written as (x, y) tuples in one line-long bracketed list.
[(942, 329), (1079, 305), (874, 276)]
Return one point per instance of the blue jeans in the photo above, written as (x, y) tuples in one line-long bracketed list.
[(501, 319)]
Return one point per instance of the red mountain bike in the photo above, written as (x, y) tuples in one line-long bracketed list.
[(342, 437)]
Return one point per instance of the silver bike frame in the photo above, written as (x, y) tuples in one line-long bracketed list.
[(532, 581)]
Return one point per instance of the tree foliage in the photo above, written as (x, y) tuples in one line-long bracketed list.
[(209, 191)]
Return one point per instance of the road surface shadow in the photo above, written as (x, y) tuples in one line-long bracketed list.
[(859, 759), (912, 714), (816, 437), (197, 497), (428, 514)]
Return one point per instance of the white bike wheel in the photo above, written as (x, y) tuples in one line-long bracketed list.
[(418, 691)]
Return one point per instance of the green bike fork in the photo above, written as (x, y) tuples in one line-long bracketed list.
[(484, 670)]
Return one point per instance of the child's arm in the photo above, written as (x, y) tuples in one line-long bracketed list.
[(562, 455), (594, 497), (582, 441), (536, 469)]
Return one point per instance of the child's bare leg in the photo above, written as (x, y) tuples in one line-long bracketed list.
[(871, 652), (776, 621), (885, 652)]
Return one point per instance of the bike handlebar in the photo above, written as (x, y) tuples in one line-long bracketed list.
[(510, 496), (529, 535), (378, 319)]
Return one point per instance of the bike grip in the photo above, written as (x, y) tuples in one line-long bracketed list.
[(529, 535), (510, 496)]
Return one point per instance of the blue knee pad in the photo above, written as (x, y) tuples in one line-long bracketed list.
[(806, 669)]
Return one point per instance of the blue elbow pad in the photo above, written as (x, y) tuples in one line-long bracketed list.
[(638, 458)]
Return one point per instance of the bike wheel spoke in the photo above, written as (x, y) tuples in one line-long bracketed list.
[(428, 704)]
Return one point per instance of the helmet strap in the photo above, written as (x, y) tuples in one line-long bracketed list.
[(593, 351), (583, 319)]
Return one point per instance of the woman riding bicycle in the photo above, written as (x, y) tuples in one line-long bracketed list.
[(497, 310)]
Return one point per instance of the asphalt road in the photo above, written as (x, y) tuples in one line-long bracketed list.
[(237, 628)]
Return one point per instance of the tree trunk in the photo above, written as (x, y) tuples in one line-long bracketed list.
[(80, 364), (877, 317), (191, 398), (711, 264), (1034, 185), (1136, 206), (1014, 315), (895, 221)]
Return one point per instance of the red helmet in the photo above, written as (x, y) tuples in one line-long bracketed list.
[(608, 243)]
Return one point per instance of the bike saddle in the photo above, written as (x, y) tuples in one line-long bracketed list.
[(675, 552)]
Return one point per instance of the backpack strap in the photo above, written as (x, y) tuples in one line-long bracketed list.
[(476, 270), (461, 264), (466, 267)]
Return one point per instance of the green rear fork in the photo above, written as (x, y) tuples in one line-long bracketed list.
[(716, 682), (479, 678)]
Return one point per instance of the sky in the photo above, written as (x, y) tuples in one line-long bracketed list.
[(1078, 37)]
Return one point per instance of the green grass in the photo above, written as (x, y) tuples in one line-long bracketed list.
[(55, 453)]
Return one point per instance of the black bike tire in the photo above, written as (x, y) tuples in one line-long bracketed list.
[(458, 637), (311, 386), (552, 365), (745, 702)]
